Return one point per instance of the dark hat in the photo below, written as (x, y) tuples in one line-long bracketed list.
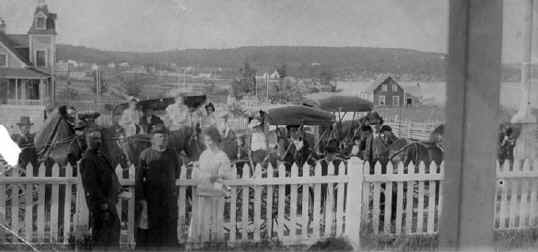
[(159, 129), (89, 115), (288, 127), (374, 116), (209, 105), (332, 146), (366, 128), (79, 125), (386, 128), (25, 120)]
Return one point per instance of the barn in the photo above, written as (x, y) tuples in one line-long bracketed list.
[(387, 92)]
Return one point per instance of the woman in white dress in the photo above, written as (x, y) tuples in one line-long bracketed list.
[(130, 118), (176, 114), (214, 167)]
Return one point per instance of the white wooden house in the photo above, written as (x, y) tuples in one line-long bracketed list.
[(27, 66)]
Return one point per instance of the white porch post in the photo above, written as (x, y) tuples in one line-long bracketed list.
[(42, 95), (526, 145), (473, 87)]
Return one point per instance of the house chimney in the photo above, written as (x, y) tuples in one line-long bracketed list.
[(2, 25)]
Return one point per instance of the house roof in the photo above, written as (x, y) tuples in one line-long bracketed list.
[(12, 46), (414, 90), (383, 79), (50, 25), (20, 40), (27, 73)]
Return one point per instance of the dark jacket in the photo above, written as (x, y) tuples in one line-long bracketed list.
[(28, 151), (76, 150), (99, 180), (229, 144)]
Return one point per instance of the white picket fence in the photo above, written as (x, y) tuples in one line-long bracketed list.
[(297, 205), (402, 200), (516, 201)]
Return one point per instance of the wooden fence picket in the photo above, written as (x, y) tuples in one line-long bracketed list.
[(15, 204), (388, 202), (281, 207), (305, 204), (340, 194), (244, 205), (328, 206), (67, 204), (420, 207), (54, 206), (41, 206), (316, 216), (292, 224), (399, 200), (432, 187), (28, 202)]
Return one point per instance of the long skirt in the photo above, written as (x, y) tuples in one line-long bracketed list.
[(207, 219)]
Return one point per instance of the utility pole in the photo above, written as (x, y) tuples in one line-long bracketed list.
[(526, 146)]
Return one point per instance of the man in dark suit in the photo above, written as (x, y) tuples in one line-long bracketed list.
[(102, 189), (25, 141)]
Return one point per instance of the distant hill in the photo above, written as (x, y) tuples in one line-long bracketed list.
[(300, 61), (346, 62)]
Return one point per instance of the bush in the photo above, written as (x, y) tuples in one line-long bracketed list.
[(332, 244)]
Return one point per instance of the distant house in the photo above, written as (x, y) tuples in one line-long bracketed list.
[(124, 64), (275, 75), (389, 93), (111, 65)]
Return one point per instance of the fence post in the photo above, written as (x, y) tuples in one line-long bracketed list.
[(354, 201), (81, 218)]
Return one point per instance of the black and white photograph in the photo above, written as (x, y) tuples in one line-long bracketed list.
[(268, 125)]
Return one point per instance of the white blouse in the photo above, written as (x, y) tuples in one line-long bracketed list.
[(212, 164)]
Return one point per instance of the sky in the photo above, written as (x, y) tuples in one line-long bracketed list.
[(156, 25)]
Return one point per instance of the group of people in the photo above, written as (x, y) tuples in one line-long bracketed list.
[(135, 120), (158, 166), (155, 188)]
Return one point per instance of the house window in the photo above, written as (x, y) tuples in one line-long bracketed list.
[(32, 89), (384, 88), (41, 58), (381, 100), (12, 89), (40, 23), (394, 88), (3, 60), (396, 100)]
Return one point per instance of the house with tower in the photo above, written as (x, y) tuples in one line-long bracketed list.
[(27, 65)]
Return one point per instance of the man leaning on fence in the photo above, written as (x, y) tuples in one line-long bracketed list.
[(101, 188)]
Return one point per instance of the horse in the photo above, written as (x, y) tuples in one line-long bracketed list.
[(53, 141), (185, 142), (407, 151)]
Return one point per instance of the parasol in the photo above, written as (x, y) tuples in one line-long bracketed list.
[(194, 101), (298, 115), (345, 103), (156, 104)]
